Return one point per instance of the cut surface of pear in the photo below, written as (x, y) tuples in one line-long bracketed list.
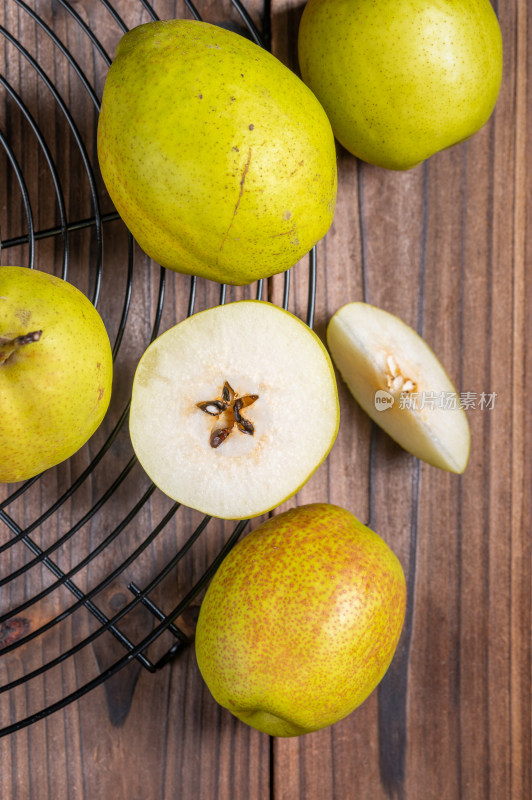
[(400, 383), (234, 408)]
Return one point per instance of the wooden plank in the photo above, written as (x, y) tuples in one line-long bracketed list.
[(444, 248)]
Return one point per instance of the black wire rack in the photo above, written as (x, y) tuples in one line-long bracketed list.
[(87, 588)]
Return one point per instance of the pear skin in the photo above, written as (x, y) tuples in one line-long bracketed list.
[(402, 79), (301, 621), (218, 158), (56, 371)]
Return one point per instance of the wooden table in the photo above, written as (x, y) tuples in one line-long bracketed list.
[(445, 247)]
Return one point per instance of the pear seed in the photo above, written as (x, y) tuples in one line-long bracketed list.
[(231, 404), (218, 436), (214, 407), (395, 380)]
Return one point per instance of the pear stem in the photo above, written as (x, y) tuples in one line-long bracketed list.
[(7, 348)]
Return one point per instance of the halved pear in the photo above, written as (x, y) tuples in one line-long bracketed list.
[(399, 381), (234, 408)]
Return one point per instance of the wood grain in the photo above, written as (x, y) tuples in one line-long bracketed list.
[(444, 246)]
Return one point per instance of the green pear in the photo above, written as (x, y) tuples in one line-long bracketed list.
[(218, 158), (402, 79), (55, 371), (301, 621)]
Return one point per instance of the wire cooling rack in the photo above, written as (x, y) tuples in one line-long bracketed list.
[(110, 572)]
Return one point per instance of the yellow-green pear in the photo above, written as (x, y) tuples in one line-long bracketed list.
[(55, 371), (218, 158), (301, 621), (402, 79)]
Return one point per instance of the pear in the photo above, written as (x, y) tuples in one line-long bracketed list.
[(218, 158), (402, 79), (399, 381), (234, 408), (301, 620), (56, 371)]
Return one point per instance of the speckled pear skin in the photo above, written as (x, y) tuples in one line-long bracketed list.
[(301, 621), (54, 392), (402, 79), (218, 158)]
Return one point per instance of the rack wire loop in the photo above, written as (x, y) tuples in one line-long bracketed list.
[(91, 553)]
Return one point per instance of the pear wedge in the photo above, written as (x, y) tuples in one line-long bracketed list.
[(398, 380)]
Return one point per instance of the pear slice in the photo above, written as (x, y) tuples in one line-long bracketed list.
[(234, 408), (398, 380)]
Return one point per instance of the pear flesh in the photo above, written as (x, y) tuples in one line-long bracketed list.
[(218, 158), (234, 408), (402, 79), (399, 381), (56, 371), (301, 621)]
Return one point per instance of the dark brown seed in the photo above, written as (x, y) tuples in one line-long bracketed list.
[(227, 393), (245, 426), (230, 406), (218, 436)]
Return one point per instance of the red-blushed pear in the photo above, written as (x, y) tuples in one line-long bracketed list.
[(56, 371), (399, 381), (301, 620), (234, 408), (218, 158), (402, 79)]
